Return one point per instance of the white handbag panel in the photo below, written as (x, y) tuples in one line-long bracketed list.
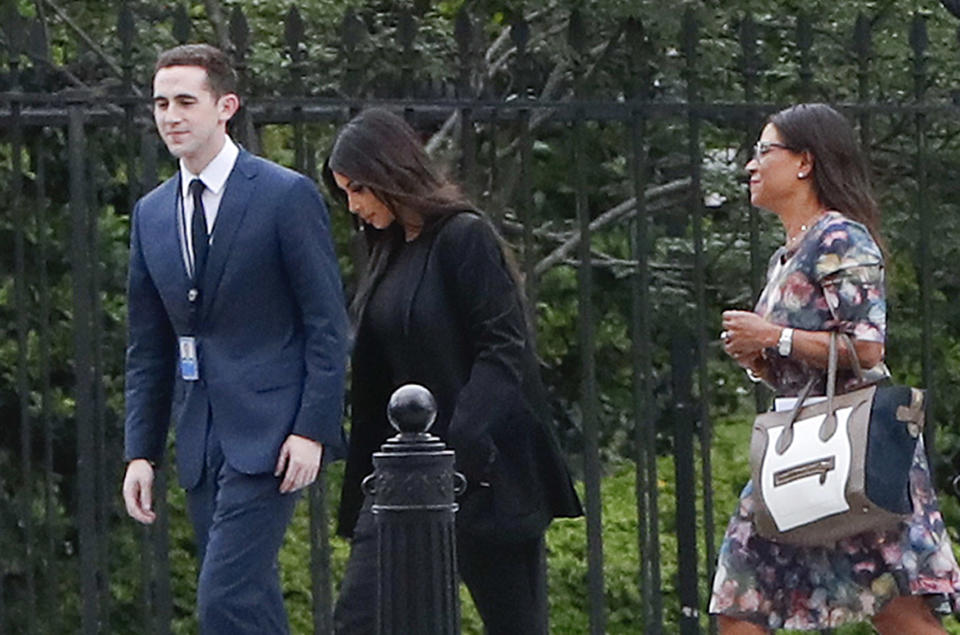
[(809, 480)]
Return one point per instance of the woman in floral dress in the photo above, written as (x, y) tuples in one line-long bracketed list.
[(808, 170)]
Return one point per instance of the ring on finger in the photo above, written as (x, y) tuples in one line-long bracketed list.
[(725, 336)]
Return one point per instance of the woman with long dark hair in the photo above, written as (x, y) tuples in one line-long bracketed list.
[(807, 169), (438, 304)]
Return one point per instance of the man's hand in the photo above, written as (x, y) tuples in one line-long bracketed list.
[(300, 457), (138, 491)]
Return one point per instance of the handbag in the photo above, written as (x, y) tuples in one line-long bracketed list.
[(833, 469)]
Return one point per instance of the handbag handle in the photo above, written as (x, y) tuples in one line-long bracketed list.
[(786, 437), (829, 425)]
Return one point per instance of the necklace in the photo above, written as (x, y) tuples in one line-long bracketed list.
[(791, 241), (798, 235)]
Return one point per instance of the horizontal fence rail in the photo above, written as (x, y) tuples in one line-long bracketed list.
[(609, 151)]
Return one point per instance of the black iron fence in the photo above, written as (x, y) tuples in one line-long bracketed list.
[(608, 149)]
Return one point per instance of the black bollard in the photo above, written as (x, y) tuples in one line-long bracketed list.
[(413, 488)]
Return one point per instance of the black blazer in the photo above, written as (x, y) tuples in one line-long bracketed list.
[(467, 342)]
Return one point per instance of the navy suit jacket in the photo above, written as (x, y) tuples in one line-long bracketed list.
[(272, 332)]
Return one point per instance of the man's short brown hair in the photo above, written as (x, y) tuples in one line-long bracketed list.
[(220, 74)]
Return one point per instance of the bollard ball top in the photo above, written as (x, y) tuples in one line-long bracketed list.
[(412, 408)]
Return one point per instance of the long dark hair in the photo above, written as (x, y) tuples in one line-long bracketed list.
[(840, 176), (380, 151)]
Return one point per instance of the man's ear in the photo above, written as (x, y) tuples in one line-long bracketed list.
[(228, 105)]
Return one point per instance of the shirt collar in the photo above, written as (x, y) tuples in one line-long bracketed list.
[(215, 175)]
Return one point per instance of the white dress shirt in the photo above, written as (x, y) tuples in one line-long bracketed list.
[(214, 178)]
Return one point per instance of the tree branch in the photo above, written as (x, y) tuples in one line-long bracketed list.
[(494, 66), (89, 41), (625, 209)]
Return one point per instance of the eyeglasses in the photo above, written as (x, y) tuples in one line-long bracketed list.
[(763, 147)]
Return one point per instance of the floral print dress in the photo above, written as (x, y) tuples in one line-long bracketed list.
[(832, 279)]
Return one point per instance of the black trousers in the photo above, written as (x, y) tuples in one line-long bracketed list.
[(506, 580)]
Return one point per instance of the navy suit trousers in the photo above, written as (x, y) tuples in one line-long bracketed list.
[(239, 520)]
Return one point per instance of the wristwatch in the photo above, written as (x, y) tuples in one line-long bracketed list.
[(785, 343)]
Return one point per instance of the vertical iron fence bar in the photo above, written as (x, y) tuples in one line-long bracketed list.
[(586, 329), (406, 34), (918, 42), (294, 32), (126, 30), (181, 24), (147, 533), (748, 46), (351, 36), (320, 575), (700, 323), (147, 574), (240, 38), (687, 553), (83, 363), (463, 33), (51, 573), (862, 47), (520, 33), (804, 45), (681, 418), (161, 591), (496, 207), (156, 543), (23, 357), (102, 462), (311, 161), (320, 583), (644, 404)]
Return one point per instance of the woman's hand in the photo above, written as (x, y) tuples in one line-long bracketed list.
[(745, 335)]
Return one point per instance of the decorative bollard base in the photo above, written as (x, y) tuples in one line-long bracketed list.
[(413, 488)]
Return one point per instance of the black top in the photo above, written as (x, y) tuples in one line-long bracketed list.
[(447, 314), (383, 313)]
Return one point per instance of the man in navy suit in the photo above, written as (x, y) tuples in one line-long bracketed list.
[(237, 324)]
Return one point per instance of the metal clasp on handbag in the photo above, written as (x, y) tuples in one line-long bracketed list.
[(811, 468)]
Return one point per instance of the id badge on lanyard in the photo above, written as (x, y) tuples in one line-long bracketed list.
[(189, 363), (187, 344)]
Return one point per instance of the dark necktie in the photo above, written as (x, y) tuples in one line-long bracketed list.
[(198, 231)]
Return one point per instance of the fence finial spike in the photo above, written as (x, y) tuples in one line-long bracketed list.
[(239, 32), (861, 36), (463, 29), (918, 34), (294, 32), (181, 24), (126, 28), (804, 32), (14, 25), (576, 32), (37, 42), (352, 29), (406, 28)]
